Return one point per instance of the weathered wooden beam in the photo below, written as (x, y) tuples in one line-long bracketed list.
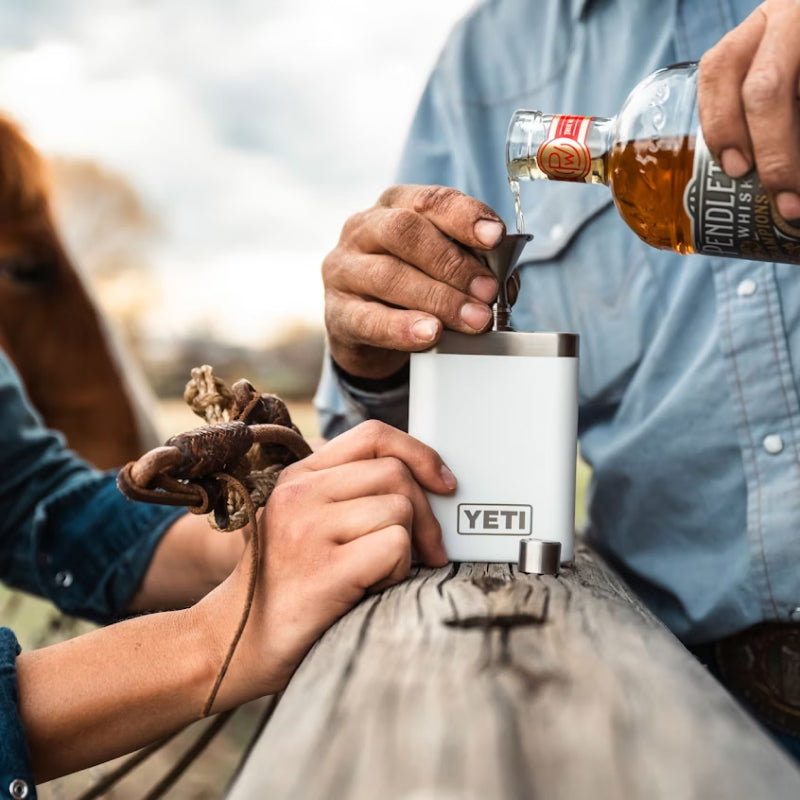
[(478, 682)]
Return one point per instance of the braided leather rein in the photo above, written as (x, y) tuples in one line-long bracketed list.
[(227, 469), (186, 470)]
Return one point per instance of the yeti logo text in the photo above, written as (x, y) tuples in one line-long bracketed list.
[(483, 518)]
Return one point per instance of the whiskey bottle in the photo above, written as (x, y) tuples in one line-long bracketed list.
[(665, 184)]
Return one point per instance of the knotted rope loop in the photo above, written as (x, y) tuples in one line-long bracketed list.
[(228, 468), (208, 396)]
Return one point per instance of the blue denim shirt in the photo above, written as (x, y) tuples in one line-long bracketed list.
[(66, 534), (689, 406)]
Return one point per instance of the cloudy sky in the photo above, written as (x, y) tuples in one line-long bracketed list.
[(250, 128)]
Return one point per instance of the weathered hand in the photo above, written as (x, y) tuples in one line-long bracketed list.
[(339, 523), (748, 101), (397, 276)]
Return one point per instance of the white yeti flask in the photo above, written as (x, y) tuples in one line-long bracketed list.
[(501, 410)]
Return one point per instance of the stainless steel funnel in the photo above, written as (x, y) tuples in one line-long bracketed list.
[(502, 261)]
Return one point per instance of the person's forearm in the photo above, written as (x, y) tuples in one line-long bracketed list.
[(191, 559), (340, 521), (114, 690)]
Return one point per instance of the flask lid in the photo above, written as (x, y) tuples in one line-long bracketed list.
[(539, 556)]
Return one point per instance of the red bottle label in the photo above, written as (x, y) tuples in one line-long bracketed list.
[(564, 155)]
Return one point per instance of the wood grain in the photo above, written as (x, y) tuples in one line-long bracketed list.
[(477, 681)]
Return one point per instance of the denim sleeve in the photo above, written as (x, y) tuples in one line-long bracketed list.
[(66, 533), (16, 773)]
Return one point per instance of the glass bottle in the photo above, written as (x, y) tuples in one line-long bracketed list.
[(665, 184)]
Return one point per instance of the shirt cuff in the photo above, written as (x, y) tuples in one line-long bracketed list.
[(16, 771), (385, 399)]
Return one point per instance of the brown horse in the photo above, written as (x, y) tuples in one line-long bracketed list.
[(51, 328)]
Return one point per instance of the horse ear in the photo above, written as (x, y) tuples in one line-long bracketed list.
[(24, 176)]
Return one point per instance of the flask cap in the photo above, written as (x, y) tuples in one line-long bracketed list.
[(539, 556)]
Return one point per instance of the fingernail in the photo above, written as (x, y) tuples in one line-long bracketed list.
[(483, 288), (734, 163), (475, 315), (449, 479), (425, 329), (489, 232), (788, 206)]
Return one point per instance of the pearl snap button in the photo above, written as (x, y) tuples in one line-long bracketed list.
[(64, 579), (556, 231), (746, 288), (795, 615), (773, 444), (18, 789)]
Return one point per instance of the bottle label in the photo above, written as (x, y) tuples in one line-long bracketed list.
[(734, 217), (564, 155)]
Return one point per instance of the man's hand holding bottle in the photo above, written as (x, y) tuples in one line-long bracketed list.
[(397, 278), (748, 101)]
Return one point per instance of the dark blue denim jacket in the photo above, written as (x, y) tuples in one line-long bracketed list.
[(66, 534)]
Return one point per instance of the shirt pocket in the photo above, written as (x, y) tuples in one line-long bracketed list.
[(585, 272)]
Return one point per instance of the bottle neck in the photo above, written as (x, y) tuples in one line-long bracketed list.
[(559, 147)]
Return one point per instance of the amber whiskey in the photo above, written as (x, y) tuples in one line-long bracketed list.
[(665, 184)]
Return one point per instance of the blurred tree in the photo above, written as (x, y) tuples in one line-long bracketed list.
[(296, 356), (109, 232)]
